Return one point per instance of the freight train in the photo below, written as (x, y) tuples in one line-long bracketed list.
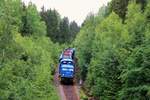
[(67, 66)]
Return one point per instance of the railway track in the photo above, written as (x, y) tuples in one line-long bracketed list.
[(70, 92), (66, 91)]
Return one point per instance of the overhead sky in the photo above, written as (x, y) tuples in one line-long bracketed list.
[(73, 9)]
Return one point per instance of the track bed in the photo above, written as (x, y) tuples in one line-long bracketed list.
[(66, 91)]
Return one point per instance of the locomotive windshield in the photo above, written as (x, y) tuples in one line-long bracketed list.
[(67, 62)]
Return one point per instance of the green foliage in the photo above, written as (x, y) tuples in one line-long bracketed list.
[(83, 43), (59, 30), (135, 24), (107, 41), (31, 22), (120, 6), (136, 74), (52, 20), (117, 54), (136, 77), (25, 62), (40, 60), (64, 30), (74, 29)]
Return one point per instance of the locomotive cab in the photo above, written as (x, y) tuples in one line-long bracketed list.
[(66, 70)]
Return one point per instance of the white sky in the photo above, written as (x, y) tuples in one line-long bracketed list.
[(73, 9)]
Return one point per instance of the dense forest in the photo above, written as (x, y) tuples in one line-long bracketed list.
[(28, 50), (113, 50), (27, 56), (59, 30)]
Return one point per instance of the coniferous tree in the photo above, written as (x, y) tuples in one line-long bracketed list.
[(52, 20), (64, 30), (74, 29)]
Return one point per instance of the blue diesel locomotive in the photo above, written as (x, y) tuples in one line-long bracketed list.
[(67, 65)]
